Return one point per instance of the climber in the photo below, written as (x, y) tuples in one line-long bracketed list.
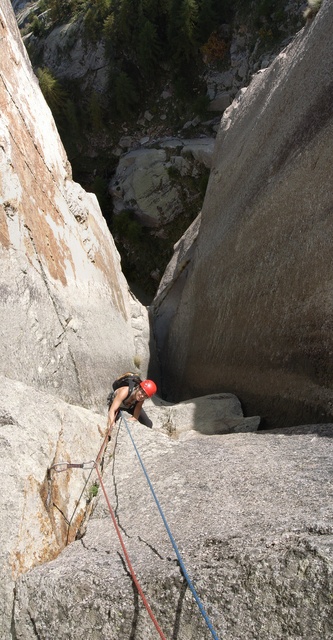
[(129, 393)]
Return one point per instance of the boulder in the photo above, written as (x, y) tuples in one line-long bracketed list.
[(253, 316), (221, 102), (148, 180), (211, 414)]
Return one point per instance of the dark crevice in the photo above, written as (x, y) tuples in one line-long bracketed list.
[(135, 600), (176, 626), (33, 623), (151, 548)]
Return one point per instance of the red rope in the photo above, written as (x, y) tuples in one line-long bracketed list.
[(129, 564), (104, 443)]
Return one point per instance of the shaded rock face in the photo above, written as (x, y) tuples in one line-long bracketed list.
[(142, 180), (254, 312), (65, 312), (73, 57), (256, 542)]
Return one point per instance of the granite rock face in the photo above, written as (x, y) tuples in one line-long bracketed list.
[(251, 516), (253, 315), (65, 314), (41, 510), (251, 512), (212, 414), (46, 505), (148, 180)]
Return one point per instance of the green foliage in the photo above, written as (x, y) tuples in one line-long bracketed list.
[(148, 47), (93, 491), (182, 37), (312, 8), (36, 27), (61, 10), (127, 19), (52, 90), (264, 15), (95, 112), (207, 19), (173, 172), (96, 12), (315, 4), (91, 25), (108, 33), (126, 225), (125, 94)]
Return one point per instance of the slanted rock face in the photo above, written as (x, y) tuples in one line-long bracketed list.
[(67, 51), (254, 313), (65, 306), (47, 504), (257, 543)]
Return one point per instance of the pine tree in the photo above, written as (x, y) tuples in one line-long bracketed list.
[(148, 48), (95, 112), (60, 10), (127, 20), (182, 34), (207, 20), (52, 90), (125, 94)]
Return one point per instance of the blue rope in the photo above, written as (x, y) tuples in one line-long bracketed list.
[(185, 574)]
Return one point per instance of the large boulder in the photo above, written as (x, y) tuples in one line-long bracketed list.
[(253, 315), (216, 413), (150, 180), (66, 312), (251, 517)]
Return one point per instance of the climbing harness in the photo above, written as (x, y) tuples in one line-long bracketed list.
[(181, 563)]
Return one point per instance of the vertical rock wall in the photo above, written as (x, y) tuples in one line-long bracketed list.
[(254, 316), (65, 314)]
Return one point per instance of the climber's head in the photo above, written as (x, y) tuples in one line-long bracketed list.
[(149, 387)]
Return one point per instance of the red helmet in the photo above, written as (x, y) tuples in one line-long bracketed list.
[(149, 387)]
